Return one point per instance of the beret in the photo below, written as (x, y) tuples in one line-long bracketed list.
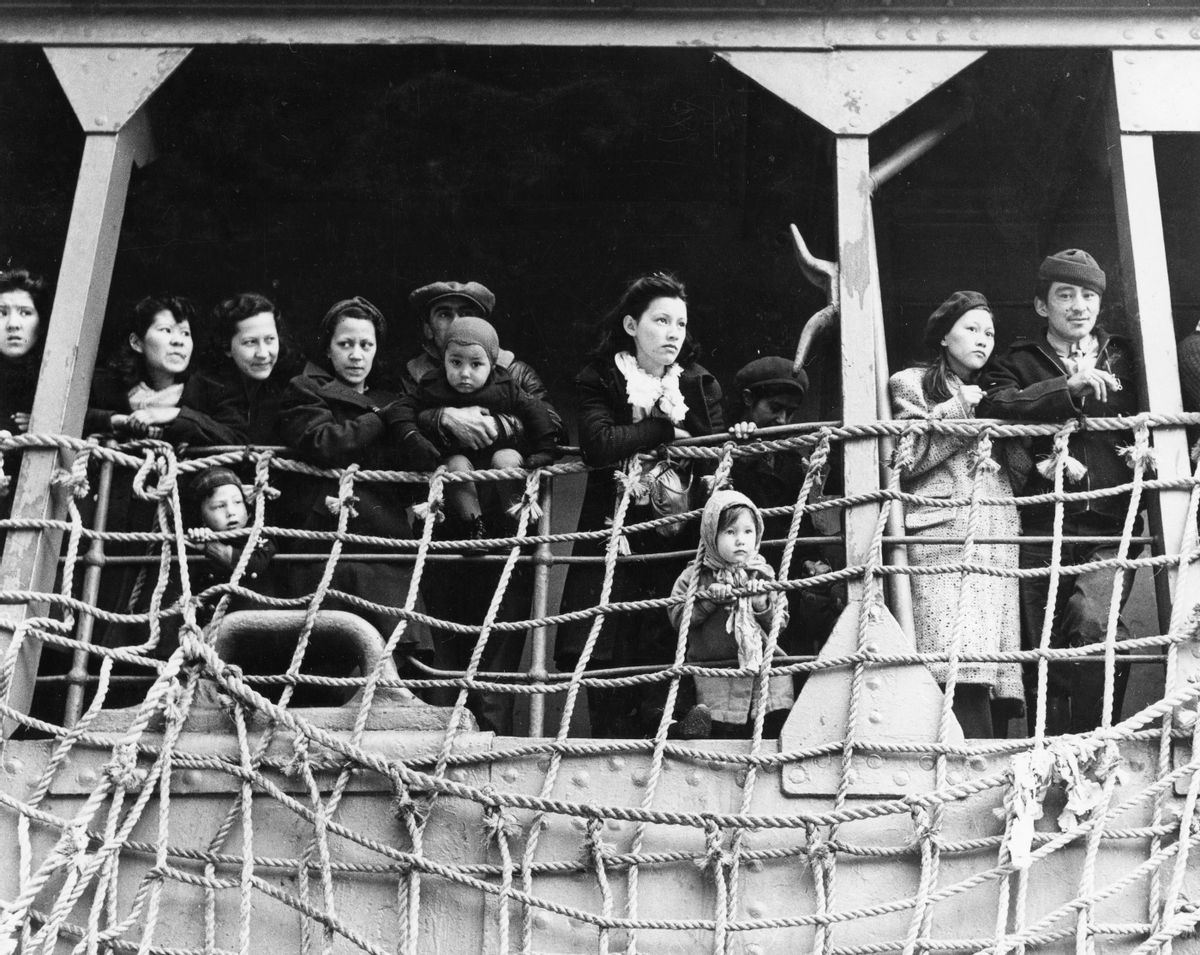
[(420, 299), (1075, 267), (949, 312), (208, 480), (771, 370)]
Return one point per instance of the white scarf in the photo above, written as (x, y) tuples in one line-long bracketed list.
[(142, 396), (647, 393)]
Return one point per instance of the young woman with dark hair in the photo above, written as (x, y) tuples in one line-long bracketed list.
[(332, 417), (961, 336), (642, 388)]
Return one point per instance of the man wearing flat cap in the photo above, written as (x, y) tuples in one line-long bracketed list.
[(461, 593), (1073, 369), (437, 305)]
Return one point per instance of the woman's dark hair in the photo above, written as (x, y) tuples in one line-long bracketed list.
[(231, 312), (730, 514), (634, 301), (22, 280), (131, 364), (935, 382), (357, 307)]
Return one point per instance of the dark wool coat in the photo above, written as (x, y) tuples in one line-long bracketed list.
[(18, 384), (1029, 383), (237, 409), (608, 435), (330, 424)]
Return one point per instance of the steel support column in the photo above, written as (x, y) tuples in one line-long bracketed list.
[(107, 89), (1155, 92)]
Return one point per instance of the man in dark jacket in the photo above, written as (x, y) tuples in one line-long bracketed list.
[(1074, 369), (461, 593)]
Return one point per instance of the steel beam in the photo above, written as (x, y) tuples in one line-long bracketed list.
[(932, 25), (1133, 114), (117, 136)]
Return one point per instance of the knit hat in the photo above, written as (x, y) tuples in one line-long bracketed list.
[(949, 312), (421, 299), (1075, 267), (773, 372), (207, 481), (468, 330)]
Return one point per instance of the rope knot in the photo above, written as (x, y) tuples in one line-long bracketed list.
[(1073, 469), (981, 460), (596, 852), (498, 822), (262, 477), (334, 505), (123, 769), (904, 457), (431, 507), (1139, 455), (529, 499), (299, 759), (406, 806), (722, 477), (159, 463), (715, 856)]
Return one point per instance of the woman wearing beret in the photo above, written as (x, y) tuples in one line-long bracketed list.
[(961, 336), (642, 389), (333, 418)]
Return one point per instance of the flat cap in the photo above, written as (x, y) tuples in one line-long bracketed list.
[(421, 299), (774, 372)]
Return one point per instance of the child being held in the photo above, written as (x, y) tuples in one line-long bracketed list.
[(218, 503), (724, 627), (470, 376)]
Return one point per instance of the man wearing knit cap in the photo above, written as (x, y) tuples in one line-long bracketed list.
[(1075, 369), (437, 305)]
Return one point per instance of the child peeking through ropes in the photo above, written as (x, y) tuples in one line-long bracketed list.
[(727, 627)]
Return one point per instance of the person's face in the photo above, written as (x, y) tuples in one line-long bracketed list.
[(166, 348), (352, 351), (738, 542), (254, 347), (771, 410), (224, 509), (1070, 310), (443, 312), (467, 367), (658, 333), (18, 323), (969, 342)]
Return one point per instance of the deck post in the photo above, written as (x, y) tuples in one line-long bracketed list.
[(108, 89)]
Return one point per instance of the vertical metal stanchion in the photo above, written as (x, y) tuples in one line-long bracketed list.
[(88, 594), (541, 590)]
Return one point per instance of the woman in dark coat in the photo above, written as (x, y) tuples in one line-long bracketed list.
[(23, 313), (240, 390), (643, 388), (330, 417)]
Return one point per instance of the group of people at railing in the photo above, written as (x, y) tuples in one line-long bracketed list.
[(464, 402)]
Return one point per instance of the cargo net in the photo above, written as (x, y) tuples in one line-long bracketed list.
[(273, 832)]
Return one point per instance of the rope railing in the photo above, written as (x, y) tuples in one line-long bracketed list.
[(87, 882)]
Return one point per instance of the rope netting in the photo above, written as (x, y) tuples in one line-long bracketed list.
[(143, 834)]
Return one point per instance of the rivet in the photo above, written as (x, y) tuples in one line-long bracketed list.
[(798, 774), (458, 775), (977, 763), (540, 921), (926, 763), (900, 778), (640, 778), (853, 122), (851, 67), (885, 19), (544, 763), (754, 911), (942, 36), (875, 716), (911, 34), (874, 683), (875, 761), (740, 778), (693, 778), (1195, 34), (579, 823), (101, 120), (1160, 33), (87, 778), (975, 35), (754, 950), (12, 766), (614, 825), (755, 865), (954, 778), (872, 647), (882, 34), (616, 763), (581, 779), (510, 774), (1128, 34)]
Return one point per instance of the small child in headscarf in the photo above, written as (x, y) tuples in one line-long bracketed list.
[(470, 376), (725, 627)]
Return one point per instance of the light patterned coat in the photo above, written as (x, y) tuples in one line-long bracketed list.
[(942, 468)]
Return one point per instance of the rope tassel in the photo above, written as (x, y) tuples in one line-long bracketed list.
[(1140, 453), (1073, 469)]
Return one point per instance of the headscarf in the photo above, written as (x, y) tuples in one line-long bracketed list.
[(742, 625)]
